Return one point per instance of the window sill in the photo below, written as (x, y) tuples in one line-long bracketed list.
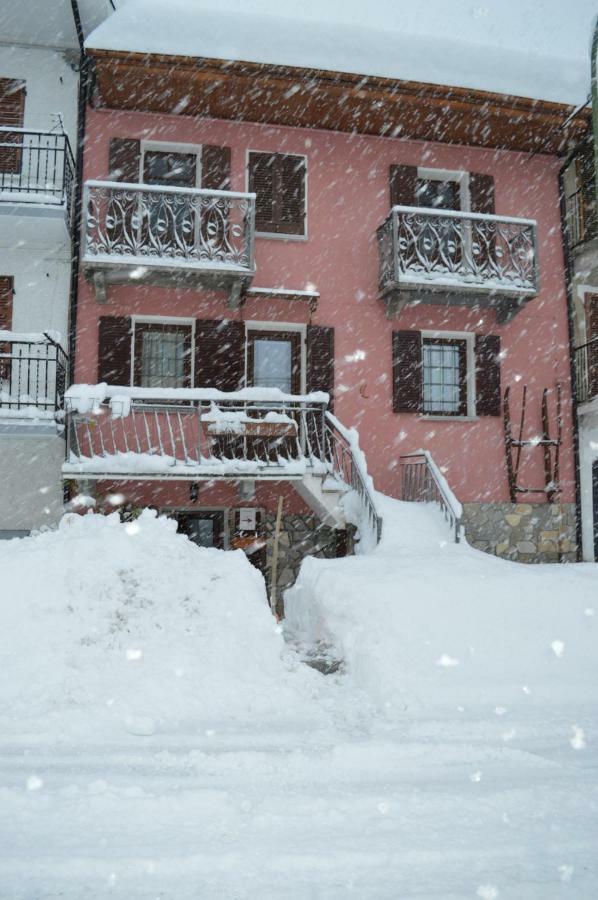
[(275, 236), (435, 418)]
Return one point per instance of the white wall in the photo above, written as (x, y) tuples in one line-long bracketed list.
[(30, 485), (51, 85)]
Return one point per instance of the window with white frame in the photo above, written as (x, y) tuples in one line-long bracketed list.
[(162, 355), (444, 376)]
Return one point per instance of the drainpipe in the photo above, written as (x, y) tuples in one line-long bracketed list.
[(76, 240), (594, 83)]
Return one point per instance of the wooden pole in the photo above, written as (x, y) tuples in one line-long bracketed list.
[(274, 574)]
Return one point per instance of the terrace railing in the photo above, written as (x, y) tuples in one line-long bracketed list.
[(36, 167), (148, 225), (185, 438), (33, 373), (347, 464), (422, 482), (586, 371), (469, 251)]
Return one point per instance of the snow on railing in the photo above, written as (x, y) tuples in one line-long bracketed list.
[(423, 247), (33, 372), (151, 224), (348, 464), (423, 482)]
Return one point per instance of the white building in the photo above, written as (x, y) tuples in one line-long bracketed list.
[(39, 86)]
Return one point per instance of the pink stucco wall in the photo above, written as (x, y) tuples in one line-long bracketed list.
[(348, 198)]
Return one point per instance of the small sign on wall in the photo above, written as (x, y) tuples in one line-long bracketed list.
[(247, 519)]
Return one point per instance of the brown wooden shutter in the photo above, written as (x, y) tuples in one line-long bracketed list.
[(12, 112), (403, 184), (320, 360), (487, 374), (261, 182), (406, 371), (219, 354), (291, 195), (124, 160), (6, 292), (114, 350), (481, 193), (278, 180), (215, 167)]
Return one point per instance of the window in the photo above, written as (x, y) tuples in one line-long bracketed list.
[(444, 371), (434, 193), (578, 185), (274, 360), (278, 180), (204, 528), (162, 355), (169, 167), (6, 291), (12, 109)]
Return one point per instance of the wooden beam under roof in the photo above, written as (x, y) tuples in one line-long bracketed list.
[(309, 98)]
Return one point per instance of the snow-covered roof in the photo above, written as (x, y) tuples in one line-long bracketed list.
[(50, 23), (528, 48)]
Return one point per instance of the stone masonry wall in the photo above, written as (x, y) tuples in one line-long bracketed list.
[(523, 532)]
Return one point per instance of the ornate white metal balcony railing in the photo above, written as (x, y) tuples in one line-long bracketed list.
[(586, 371), (442, 249), (150, 225), (36, 167)]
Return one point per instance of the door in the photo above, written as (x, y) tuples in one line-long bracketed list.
[(443, 239), (171, 217), (204, 528)]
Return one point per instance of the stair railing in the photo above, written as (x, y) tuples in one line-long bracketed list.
[(422, 482), (347, 463)]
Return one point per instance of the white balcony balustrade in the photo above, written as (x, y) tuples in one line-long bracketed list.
[(446, 257), (168, 235)]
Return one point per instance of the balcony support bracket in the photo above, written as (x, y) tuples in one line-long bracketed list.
[(99, 284)]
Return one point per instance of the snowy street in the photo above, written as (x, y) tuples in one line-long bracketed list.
[(297, 785)]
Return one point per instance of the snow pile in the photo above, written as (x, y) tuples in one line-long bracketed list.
[(109, 629), (424, 624)]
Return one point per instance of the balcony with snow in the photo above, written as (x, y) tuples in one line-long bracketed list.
[(166, 235), (33, 375), (37, 180), (450, 257), (190, 434)]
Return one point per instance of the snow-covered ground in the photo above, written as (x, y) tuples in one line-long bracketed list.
[(160, 740)]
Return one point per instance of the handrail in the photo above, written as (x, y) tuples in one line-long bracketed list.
[(33, 374), (422, 482), (461, 214), (342, 452)]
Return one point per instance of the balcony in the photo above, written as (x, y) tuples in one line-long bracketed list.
[(586, 371), (168, 236), (37, 177), (457, 258), (33, 373)]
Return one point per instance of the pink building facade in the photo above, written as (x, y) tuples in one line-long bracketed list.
[(422, 364)]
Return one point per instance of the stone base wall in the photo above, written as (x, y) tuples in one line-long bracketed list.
[(301, 536), (523, 532)]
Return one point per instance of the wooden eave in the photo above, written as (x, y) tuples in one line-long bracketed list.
[(309, 98)]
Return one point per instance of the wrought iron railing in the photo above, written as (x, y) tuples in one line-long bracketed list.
[(421, 482), (223, 437), (586, 371), (346, 464), (472, 251), (146, 225), (36, 167), (33, 373)]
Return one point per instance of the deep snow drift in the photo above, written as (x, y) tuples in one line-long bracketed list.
[(425, 624), (109, 629), (159, 740)]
